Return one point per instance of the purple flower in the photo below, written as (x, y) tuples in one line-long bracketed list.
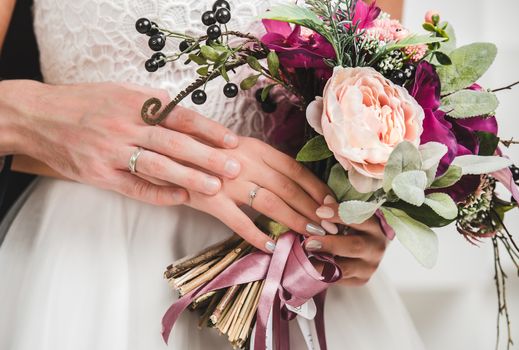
[(459, 135), (297, 47)]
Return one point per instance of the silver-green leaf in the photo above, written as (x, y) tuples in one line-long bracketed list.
[(442, 204), (470, 103), (357, 212), (410, 186), (419, 239), (405, 157), (340, 184), (449, 178), (479, 165), (432, 153)]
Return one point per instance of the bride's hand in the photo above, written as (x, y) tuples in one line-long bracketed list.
[(88, 133), (286, 191), (358, 253)]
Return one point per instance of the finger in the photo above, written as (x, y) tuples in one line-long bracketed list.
[(351, 246), (330, 212), (291, 193), (299, 173), (154, 180), (228, 213), (269, 204), (356, 268), (180, 146), (188, 121), (163, 168), (142, 190), (352, 282)]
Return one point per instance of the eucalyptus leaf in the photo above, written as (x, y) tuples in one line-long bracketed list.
[(469, 63), (448, 45), (357, 212), (432, 153), (419, 239), (225, 75), (292, 13), (209, 53), (405, 157), (470, 103), (479, 165), (316, 149), (203, 70), (449, 178), (340, 184), (423, 214), (248, 83), (413, 40), (442, 204), (273, 63), (410, 186)]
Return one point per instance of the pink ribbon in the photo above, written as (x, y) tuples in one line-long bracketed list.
[(507, 179), (290, 279)]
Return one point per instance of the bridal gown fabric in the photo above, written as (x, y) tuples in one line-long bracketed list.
[(81, 268)]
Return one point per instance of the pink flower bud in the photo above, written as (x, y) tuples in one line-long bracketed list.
[(429, 16)]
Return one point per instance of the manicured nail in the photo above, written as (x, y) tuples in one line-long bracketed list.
[(314, 229), (270, 246), (212, 185), (329, 200), (330, 227), (313, 246), (230, 140), (232, 167), (325, 212)]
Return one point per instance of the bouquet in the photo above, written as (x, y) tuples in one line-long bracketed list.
[(396, 124)]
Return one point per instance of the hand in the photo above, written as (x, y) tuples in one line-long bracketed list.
[(288, 193), (358, 253), (88, 133)]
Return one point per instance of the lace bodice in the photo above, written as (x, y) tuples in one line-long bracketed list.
[(96, 41)]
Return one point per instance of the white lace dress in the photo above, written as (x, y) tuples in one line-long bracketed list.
[(81, 268)]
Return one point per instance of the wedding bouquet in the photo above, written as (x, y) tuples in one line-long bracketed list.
[(396, 124)]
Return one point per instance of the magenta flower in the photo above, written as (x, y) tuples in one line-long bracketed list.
[(365, 14), (297, 47)]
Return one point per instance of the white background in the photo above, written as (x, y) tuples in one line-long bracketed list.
[(454, 304)]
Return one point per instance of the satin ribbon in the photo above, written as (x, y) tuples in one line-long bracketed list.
[(507, 179), (290, 279)]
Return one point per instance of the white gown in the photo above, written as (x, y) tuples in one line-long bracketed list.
[(82, 268)]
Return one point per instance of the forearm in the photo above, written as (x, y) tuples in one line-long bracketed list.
[(6, 10)]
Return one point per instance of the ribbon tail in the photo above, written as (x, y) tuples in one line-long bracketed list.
[(319, 319)]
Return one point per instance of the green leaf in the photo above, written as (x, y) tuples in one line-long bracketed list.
[(270, 226), (405, 157), (340, 184), (203, 70), (469, 63), (266, 91), (419, 239), (197, 59), (357, 212), (488, 143), (209, 53), (479, 165), (423, 214), (449, 178), (448, 45), (292, 13), (470, 103), (316, 149), (248, 83), (273, 63), (410, 186), (442, 205), (413, 40), (225, 75), (432, 153), (254, 63), (443, 58), (428, 27)]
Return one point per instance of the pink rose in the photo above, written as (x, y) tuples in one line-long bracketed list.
[(363, 117)]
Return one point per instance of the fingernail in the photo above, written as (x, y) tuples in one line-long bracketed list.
[(314, 229), (325, 212), (329, 200), (313, 245), (330, 227), (230, 140), (270, 246), (212, 184), (232, 167)]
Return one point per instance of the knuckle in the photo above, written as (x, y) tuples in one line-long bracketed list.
[(295, 168), (358, 245), (271, 202), (185, 119), (290, 189), (153, 165), (215, 160)]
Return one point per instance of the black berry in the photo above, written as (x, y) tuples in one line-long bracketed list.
[(409, 71), (515, 173), (199, 97), (223, 15), (183, 46), (258, 95), (151, 65), (269, 106), (221, 3), (154, 30), (230, 90), (398, 77), (157, 42), (208, 18), (143, 25), (160, 58), (210, 42), (214, 32)]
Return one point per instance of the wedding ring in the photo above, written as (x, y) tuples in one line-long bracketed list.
[(132, 164), (253, 194)]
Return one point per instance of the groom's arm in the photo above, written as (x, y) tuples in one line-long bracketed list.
[(6, 11)]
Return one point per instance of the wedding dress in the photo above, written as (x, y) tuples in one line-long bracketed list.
[(81, 268)]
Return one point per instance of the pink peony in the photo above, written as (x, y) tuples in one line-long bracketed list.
[(363, 117)]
